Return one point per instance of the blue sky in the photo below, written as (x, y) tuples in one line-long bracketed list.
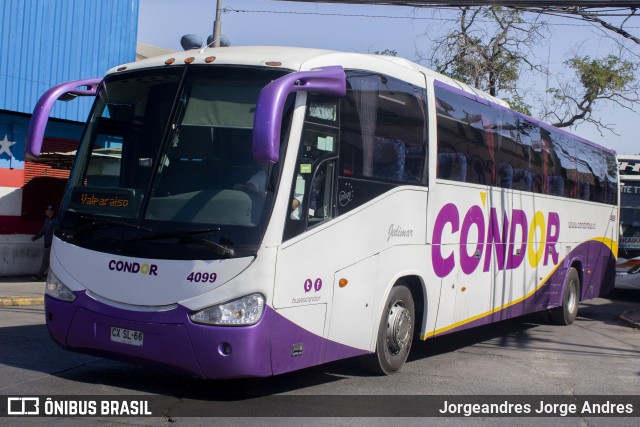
[(354, 28)]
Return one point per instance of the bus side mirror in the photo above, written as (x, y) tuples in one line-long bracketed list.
[(66, 92), (330, 81)]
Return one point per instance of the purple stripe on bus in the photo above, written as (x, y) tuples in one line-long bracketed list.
[(597, 277), (544, 125), (274, 345)]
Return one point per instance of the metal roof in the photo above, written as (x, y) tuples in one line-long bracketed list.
[(145, 50), (48, 42)]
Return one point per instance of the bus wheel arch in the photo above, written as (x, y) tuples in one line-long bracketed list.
[(419, 294), (397, 327), (577, 265), (566, 313)]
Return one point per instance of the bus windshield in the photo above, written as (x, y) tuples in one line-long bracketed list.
[(167, 159), (630, 216)]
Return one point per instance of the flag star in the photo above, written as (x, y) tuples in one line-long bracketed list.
[(5, 144)]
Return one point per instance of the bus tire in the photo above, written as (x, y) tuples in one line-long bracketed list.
[(568, 311), (395, 333)]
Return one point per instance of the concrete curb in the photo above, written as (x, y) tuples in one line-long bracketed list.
[(21, 300), (21, 290), (631, 318)]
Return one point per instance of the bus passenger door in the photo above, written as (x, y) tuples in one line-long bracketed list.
[(307, 259), (301, 296)]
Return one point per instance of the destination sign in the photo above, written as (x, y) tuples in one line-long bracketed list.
[(113, 200)]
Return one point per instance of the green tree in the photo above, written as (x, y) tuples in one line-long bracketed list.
[(608, 79), (490, 47)]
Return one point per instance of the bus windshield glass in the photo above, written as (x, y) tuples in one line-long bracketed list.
[(630, 216), (166, 159)]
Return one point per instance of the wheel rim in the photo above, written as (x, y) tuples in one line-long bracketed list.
[(399, 328), (572, 298)]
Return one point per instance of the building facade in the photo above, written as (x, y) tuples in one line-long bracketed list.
[(44, 43)]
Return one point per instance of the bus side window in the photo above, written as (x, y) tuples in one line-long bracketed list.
[(612, 179), (389, 158), (466, 139), (383, 141), (505, 175), (452, 166), (561, 168), (520, 160)]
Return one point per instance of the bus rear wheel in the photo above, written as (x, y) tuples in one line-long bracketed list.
[(395, 333), (566, 314)]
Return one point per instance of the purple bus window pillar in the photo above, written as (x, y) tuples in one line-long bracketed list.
[(330, 81), (38, 123)]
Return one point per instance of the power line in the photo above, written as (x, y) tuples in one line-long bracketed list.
[(354, 15), (600, 4)]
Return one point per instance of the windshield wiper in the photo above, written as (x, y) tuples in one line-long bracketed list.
[(220, 249), (95, 223), (158, 235)]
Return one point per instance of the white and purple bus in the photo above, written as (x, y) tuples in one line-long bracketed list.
[(628, 266), (249, 211)]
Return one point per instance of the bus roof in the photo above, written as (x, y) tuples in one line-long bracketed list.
[(634, 157), (304, 59)]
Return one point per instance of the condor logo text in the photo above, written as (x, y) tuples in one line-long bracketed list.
[(133, 267), (509, 239)]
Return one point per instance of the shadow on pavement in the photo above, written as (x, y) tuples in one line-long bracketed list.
[(31, 348)]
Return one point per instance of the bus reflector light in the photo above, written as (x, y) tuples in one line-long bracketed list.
[(56, 289), (343, 282), (189, 60), (209, 59), (170, 61), (240, 312)]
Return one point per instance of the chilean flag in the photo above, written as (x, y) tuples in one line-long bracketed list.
[(11, 156)]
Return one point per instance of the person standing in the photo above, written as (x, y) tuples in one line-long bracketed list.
[(47, 232)]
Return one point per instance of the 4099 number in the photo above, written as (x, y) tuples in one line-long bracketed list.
[(202, 277)]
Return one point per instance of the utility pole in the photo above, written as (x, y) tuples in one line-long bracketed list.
[(217, 25)]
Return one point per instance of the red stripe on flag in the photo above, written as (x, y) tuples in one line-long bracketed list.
[(11, 177)]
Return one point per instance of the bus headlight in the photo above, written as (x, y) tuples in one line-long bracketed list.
[(240, 312), (56, 289)]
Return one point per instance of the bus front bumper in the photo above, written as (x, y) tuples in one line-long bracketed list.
[(168, 338)]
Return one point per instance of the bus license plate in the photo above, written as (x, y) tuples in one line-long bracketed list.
[(127, 336)]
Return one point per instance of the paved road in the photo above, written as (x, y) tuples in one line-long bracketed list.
[(595, 356)]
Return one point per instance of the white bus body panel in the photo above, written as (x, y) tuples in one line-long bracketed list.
[(311, 265), (98, 272), (468, 296)]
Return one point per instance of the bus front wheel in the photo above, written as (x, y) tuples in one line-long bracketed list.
[(395, 333), (568, 311)]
